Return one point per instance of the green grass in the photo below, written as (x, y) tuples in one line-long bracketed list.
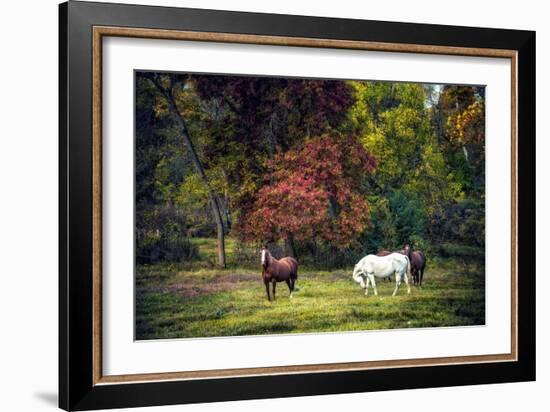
[(179, 301)]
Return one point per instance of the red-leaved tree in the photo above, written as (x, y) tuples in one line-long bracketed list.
[(313, 191)]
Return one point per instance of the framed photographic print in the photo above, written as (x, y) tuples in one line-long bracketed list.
[(256, 205)]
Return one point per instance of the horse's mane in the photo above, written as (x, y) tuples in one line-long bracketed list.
[(269, 257)]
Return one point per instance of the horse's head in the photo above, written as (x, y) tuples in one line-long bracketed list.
[(265, 256), (357, 276), (407, 249)]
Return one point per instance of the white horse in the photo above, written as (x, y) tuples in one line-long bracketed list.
[(372, 266)]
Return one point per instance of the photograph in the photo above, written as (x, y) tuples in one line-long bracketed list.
[(282, 205), (277, 204)]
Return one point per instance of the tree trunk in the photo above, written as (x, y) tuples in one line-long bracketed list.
[(466, 155), (333, 208), (289, 246), (228, 223), (214, 201), (438, 117), (220, 230)]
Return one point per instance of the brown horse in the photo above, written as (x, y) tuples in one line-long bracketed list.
[(418, 263), (387, 252), (282, 270)]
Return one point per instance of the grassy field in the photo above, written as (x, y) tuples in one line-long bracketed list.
[(181, 301)]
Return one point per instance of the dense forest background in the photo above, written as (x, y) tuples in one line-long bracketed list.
[(325, 170)]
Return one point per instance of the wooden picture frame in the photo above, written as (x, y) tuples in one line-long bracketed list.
[(82, 27)]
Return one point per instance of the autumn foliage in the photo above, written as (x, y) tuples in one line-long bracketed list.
[(467, 126), (264, 159), (312, 192)]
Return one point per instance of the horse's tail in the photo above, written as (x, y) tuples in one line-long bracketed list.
[(423, 259), (408, 267), (294, 274)]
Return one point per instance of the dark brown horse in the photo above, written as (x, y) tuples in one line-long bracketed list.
[(282, 270), (418, 263)]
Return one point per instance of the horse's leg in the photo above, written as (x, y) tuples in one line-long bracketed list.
[(267, 290), (421, 276), (372, 280), (397, 283), (367, 281), (407, 283), (289, 284), (294, 288), (274, 287)]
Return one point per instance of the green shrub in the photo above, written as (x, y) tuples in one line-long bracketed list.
[(447, 250)]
